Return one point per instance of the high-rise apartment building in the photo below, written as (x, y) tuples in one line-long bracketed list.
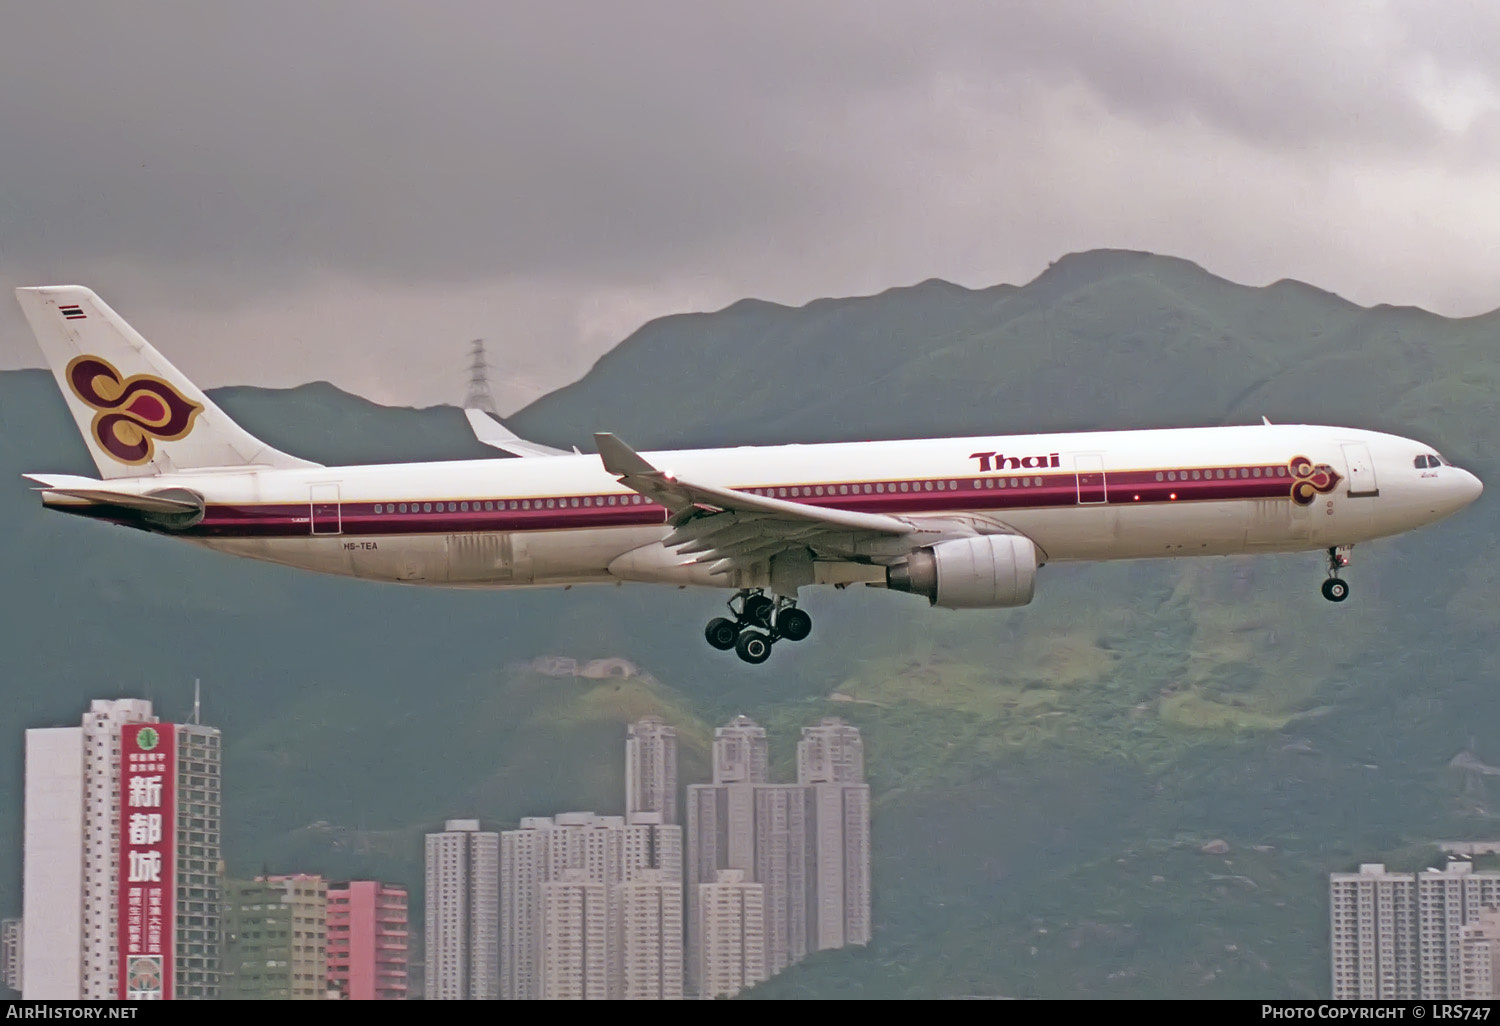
[(831, 753), (606, 850), (1373, 926), (651, 936), (1447, 900), (831, 764), (721, 817), (731, 923), (463, 914), (368, 940), (122, 857), (807, 844), (52, 889), (785, 866), (101, 831), (275, 938), (742, 755), (1479, 957), (523, 869), (197, 855), (10, 953), (1401, 936), (651, 768), (574, 923)]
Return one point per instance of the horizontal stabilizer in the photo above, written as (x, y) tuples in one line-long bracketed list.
[(175, 500), (144, 503), (492, 433)]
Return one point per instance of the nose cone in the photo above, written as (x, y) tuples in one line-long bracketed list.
[(1467, 489)]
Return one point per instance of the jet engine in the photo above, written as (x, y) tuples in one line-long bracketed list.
[(987, 572)]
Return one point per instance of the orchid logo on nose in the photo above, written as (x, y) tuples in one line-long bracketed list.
[(1311, 480), (134, 413)]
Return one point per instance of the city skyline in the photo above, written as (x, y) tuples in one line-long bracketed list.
[(576, 904), (1404, 935)]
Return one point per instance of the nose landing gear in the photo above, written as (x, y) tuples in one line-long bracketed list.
[(760, 620), (1335, 589)]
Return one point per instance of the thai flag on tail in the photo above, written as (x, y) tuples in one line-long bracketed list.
[(72, 313)]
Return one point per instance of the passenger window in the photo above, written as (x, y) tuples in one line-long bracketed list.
[(941, 486), (463, 507), (1195, 475), (551, 503), (843, 489), (978, 483), (426, 507), (1219, 474), (377, 507), (1160, 476)]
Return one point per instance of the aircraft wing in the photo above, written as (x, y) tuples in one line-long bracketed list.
[(491, 432), (731, 528)]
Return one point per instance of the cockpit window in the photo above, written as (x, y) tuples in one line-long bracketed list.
[(1424, 461)]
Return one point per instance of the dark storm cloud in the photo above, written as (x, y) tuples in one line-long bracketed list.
[(469, 138), (401, 173), (406, 139)]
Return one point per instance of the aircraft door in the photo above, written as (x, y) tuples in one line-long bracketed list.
[(1091, 483), (1361, 469), (327, 514)]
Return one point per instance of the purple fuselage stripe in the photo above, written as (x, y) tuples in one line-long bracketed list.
[(996, 493)]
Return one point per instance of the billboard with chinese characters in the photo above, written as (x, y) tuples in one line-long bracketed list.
[(148, 816)]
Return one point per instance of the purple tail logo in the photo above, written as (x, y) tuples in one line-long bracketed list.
[(134, 413)]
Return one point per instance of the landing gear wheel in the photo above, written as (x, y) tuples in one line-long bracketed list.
[(1335, 590), (758, 610), (722, 633), (793, 624), (753, 647)]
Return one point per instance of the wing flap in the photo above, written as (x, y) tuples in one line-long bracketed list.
[(730, 529), (681, 496)]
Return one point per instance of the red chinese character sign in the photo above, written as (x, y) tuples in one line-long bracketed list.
[(148, 816)]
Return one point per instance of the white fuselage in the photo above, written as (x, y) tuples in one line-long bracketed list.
[(1090, 496)]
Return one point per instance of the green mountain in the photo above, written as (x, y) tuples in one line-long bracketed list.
[(1045, 779)]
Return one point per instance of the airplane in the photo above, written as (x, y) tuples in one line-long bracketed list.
[(963, 522)]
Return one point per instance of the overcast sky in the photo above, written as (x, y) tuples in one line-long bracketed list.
[(282, 192)]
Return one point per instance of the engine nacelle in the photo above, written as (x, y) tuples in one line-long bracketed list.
[(987, 572)]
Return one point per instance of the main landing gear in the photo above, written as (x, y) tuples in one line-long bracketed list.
[(1334, 589), (760, 620)]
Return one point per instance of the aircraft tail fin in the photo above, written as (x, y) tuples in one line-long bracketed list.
[(138, 414)]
